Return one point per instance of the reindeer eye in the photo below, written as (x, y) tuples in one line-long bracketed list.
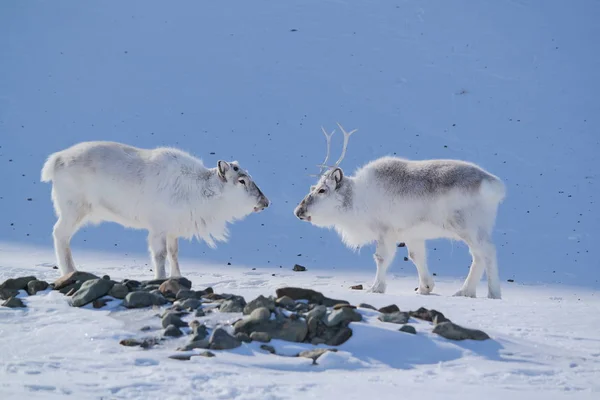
[(243, 182), (321, 191), (235, 168)]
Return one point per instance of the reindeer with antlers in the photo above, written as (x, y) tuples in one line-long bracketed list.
[(391, 200)]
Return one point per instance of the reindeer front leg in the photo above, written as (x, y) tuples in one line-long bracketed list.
[(384, 255)]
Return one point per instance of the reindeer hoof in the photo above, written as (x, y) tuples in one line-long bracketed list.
[(377, 288), (425, 290), (465, 293), (494, 295)]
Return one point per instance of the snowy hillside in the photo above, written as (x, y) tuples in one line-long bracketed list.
[(511, 85)]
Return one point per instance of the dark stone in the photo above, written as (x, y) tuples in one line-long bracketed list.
[(365, 305), (263, 337), (200, 313), (143, 299), (14, 302), (184, 294), (243, 337), (317, 312), (221, 340), (132, 285), (397, 317), (408, 329), (200, 344), (6, 294), (338, 306), (356, 287), (315, 354), (99, 303), (389, 309), (207, 354), (429, 315), (119, 291), (172, 331), (73, 290), (181, 357), (199, 331), (144, 343), (191, 304), (145, 328), (260, 301), (336, 317), (17, 283), (91, 290), (268, 348), (312, 296), (171, 318), (279, 328), (36, 286), (285, 302), (452, 331), (75, 277), (340, 337), (299, 268)]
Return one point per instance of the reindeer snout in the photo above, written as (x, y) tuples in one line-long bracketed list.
[(300, 213), (262, 204)]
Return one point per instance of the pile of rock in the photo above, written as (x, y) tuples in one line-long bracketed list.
[(293, 314)]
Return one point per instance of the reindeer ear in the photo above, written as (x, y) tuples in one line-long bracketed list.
[(337, 175), (223, 167)]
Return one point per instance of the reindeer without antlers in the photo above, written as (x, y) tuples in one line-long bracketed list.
[(391, 200)]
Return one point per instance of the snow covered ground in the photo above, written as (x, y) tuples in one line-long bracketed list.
[(509, 84), (545, 343)]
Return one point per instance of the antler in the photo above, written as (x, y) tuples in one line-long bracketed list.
[(346, 139), (324, 163)]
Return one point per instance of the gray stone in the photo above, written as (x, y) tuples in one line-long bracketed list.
[(118, 291), (99, 303), (199, 331), (260, 301), (171, 318), (255, 318), (143, 299), (315, 353), (200, 313), (191, 304), (397, 317), (365, 305), (392, 308), (263, 337), (221, 340), (152, 288), (285, 302), (172, 331), (185, 294), (235, 304), (200, 344), (14, 302), (299, 268), (408, 329), (36, 286), (312, 296), (318, 312), (73, 278), (243, 337), (452, 331), (340, 315), (17, 283), (6, 294), (207, 354), (91, 290), (268, 348), (172, 286), (429, 315), (340, 337), (144, 343)]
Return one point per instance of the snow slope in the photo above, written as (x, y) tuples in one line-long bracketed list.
[(510, 85)]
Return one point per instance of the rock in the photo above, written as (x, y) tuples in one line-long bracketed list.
[(312, 296), (317, 341), (285, 301), (200, 344), (301, 307), (389, 309), (236, 304), (199, 331), (173, 285), (208, 354), (146, 328), (260, 301), (243, 337), (185, 294), (315, 354), (268, 348), (36, 286), (171, 318), (91, 290), (338, 306), (6, 294), (14, 302), (144, 343), (397, 317), (181, 357), (200, 313), (257, 316), (365, 305), (299, 268), (260, 337), (73, 278), (356, 287), (172, 331), (221, 340), (152, 288), (280, 328), (452, 331), (340, 315), (132, 285), (17, 283), (191, 304), (340, 337), (429, 315), (99, 303), (408, 329), (143, 299), (318, 312), (118, 291), (73, 290)]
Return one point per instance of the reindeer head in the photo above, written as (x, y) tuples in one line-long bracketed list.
[(328, 195), (240, 182)]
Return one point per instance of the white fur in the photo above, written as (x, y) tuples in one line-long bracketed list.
[(164, 190), (392, 210)]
